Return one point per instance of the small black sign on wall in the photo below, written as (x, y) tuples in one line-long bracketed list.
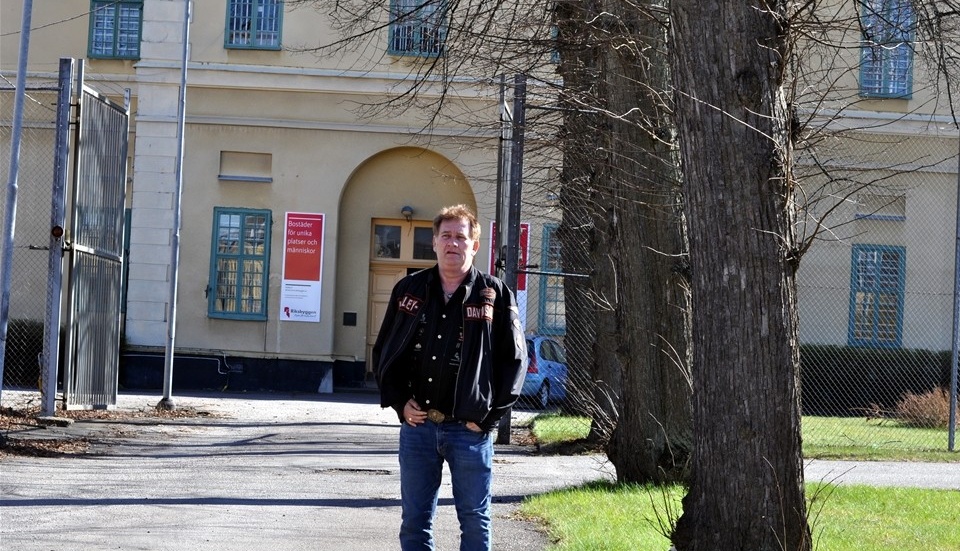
[(350, 319)]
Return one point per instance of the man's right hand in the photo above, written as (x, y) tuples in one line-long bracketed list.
[(412, 414)]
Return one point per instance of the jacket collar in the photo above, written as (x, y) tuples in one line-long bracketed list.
[(469, 280)]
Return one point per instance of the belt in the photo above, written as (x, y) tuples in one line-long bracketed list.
[(438, 416)]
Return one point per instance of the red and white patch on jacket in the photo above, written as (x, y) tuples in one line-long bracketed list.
[(409, 304), (479, 312)]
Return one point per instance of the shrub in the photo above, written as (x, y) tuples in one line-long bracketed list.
[(928, 410)]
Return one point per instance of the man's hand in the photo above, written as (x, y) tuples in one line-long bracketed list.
[(412, 413)]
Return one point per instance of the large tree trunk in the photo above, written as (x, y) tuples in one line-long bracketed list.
[(653, 437), (591, 325), (620, 204), (746, 490)]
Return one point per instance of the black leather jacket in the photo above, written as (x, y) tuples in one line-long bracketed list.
[(493, 354)]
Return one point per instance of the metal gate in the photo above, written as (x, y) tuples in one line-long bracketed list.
[(95, 250)]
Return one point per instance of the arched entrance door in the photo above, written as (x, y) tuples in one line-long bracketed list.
[(384, 231), (398, 248)]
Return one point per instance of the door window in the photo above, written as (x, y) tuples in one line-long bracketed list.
[(402, 241)]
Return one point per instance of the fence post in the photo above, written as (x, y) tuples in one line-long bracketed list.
[(951, 436), (6, 260), (51, 342)]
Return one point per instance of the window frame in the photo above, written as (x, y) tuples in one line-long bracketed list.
[(256, 6), (551, 295), (241, 257), (97, 7), (898, 34), (435, 21), (877, 289), (406, 247)]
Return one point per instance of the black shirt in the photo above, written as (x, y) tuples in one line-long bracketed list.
[(435, 351)]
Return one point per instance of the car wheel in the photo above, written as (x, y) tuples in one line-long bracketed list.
[(543, 395)]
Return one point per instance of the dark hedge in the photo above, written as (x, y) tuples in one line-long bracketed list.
[(850, 381)]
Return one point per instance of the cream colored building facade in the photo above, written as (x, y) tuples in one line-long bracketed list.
[(269, 131), (878, 192)]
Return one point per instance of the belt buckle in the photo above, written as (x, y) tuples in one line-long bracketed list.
[(435, 416)]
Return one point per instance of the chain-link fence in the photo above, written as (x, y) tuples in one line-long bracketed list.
[(28, 282), (876, 291), (552, 386), (875, 294)]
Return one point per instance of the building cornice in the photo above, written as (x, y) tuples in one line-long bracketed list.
[(298, 124), (295, 79), (885, 122)]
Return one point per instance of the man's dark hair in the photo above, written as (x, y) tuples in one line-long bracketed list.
[(458, 212)]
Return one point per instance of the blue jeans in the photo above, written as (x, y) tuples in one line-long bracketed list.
[(469, 454)]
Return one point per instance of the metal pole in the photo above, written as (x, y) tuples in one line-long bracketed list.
[(512, 242), (516, 182), (503, 159), (6, 259), (951, 435), (167, 401), (51, 343)]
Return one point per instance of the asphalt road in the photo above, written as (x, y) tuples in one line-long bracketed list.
[(283, 473), (270, 472)]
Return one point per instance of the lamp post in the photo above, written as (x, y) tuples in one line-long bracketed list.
[(167, 401)]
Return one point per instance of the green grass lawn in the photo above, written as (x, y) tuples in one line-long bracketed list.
[(609, 517), (854, 438), (862, 439)]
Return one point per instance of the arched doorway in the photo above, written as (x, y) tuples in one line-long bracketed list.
[(379, 240)]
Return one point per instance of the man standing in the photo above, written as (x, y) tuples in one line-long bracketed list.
[(449, 359)]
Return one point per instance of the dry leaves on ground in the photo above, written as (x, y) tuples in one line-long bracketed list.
[(26, 418)]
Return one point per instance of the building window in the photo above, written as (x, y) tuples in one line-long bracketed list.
[(552, 318), (405, 241), (876, 296), (254, 24), (418, 27), (115, 29), (881, 207), (239, 264), (886, 52)]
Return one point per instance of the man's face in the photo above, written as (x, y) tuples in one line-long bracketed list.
[(454, 247)]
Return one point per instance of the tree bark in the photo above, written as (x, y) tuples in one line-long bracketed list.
[(746, 490), (653, 437), (621, 210), (589, 313)]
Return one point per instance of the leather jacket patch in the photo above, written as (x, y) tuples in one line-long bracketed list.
[(478, 312), (409, 304)]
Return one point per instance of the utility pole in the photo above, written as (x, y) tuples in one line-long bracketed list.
[(511, 231)]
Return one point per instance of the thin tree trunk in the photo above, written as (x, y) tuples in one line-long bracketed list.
[(746, 490)]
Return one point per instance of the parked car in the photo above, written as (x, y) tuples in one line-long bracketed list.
[(546, 372)]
